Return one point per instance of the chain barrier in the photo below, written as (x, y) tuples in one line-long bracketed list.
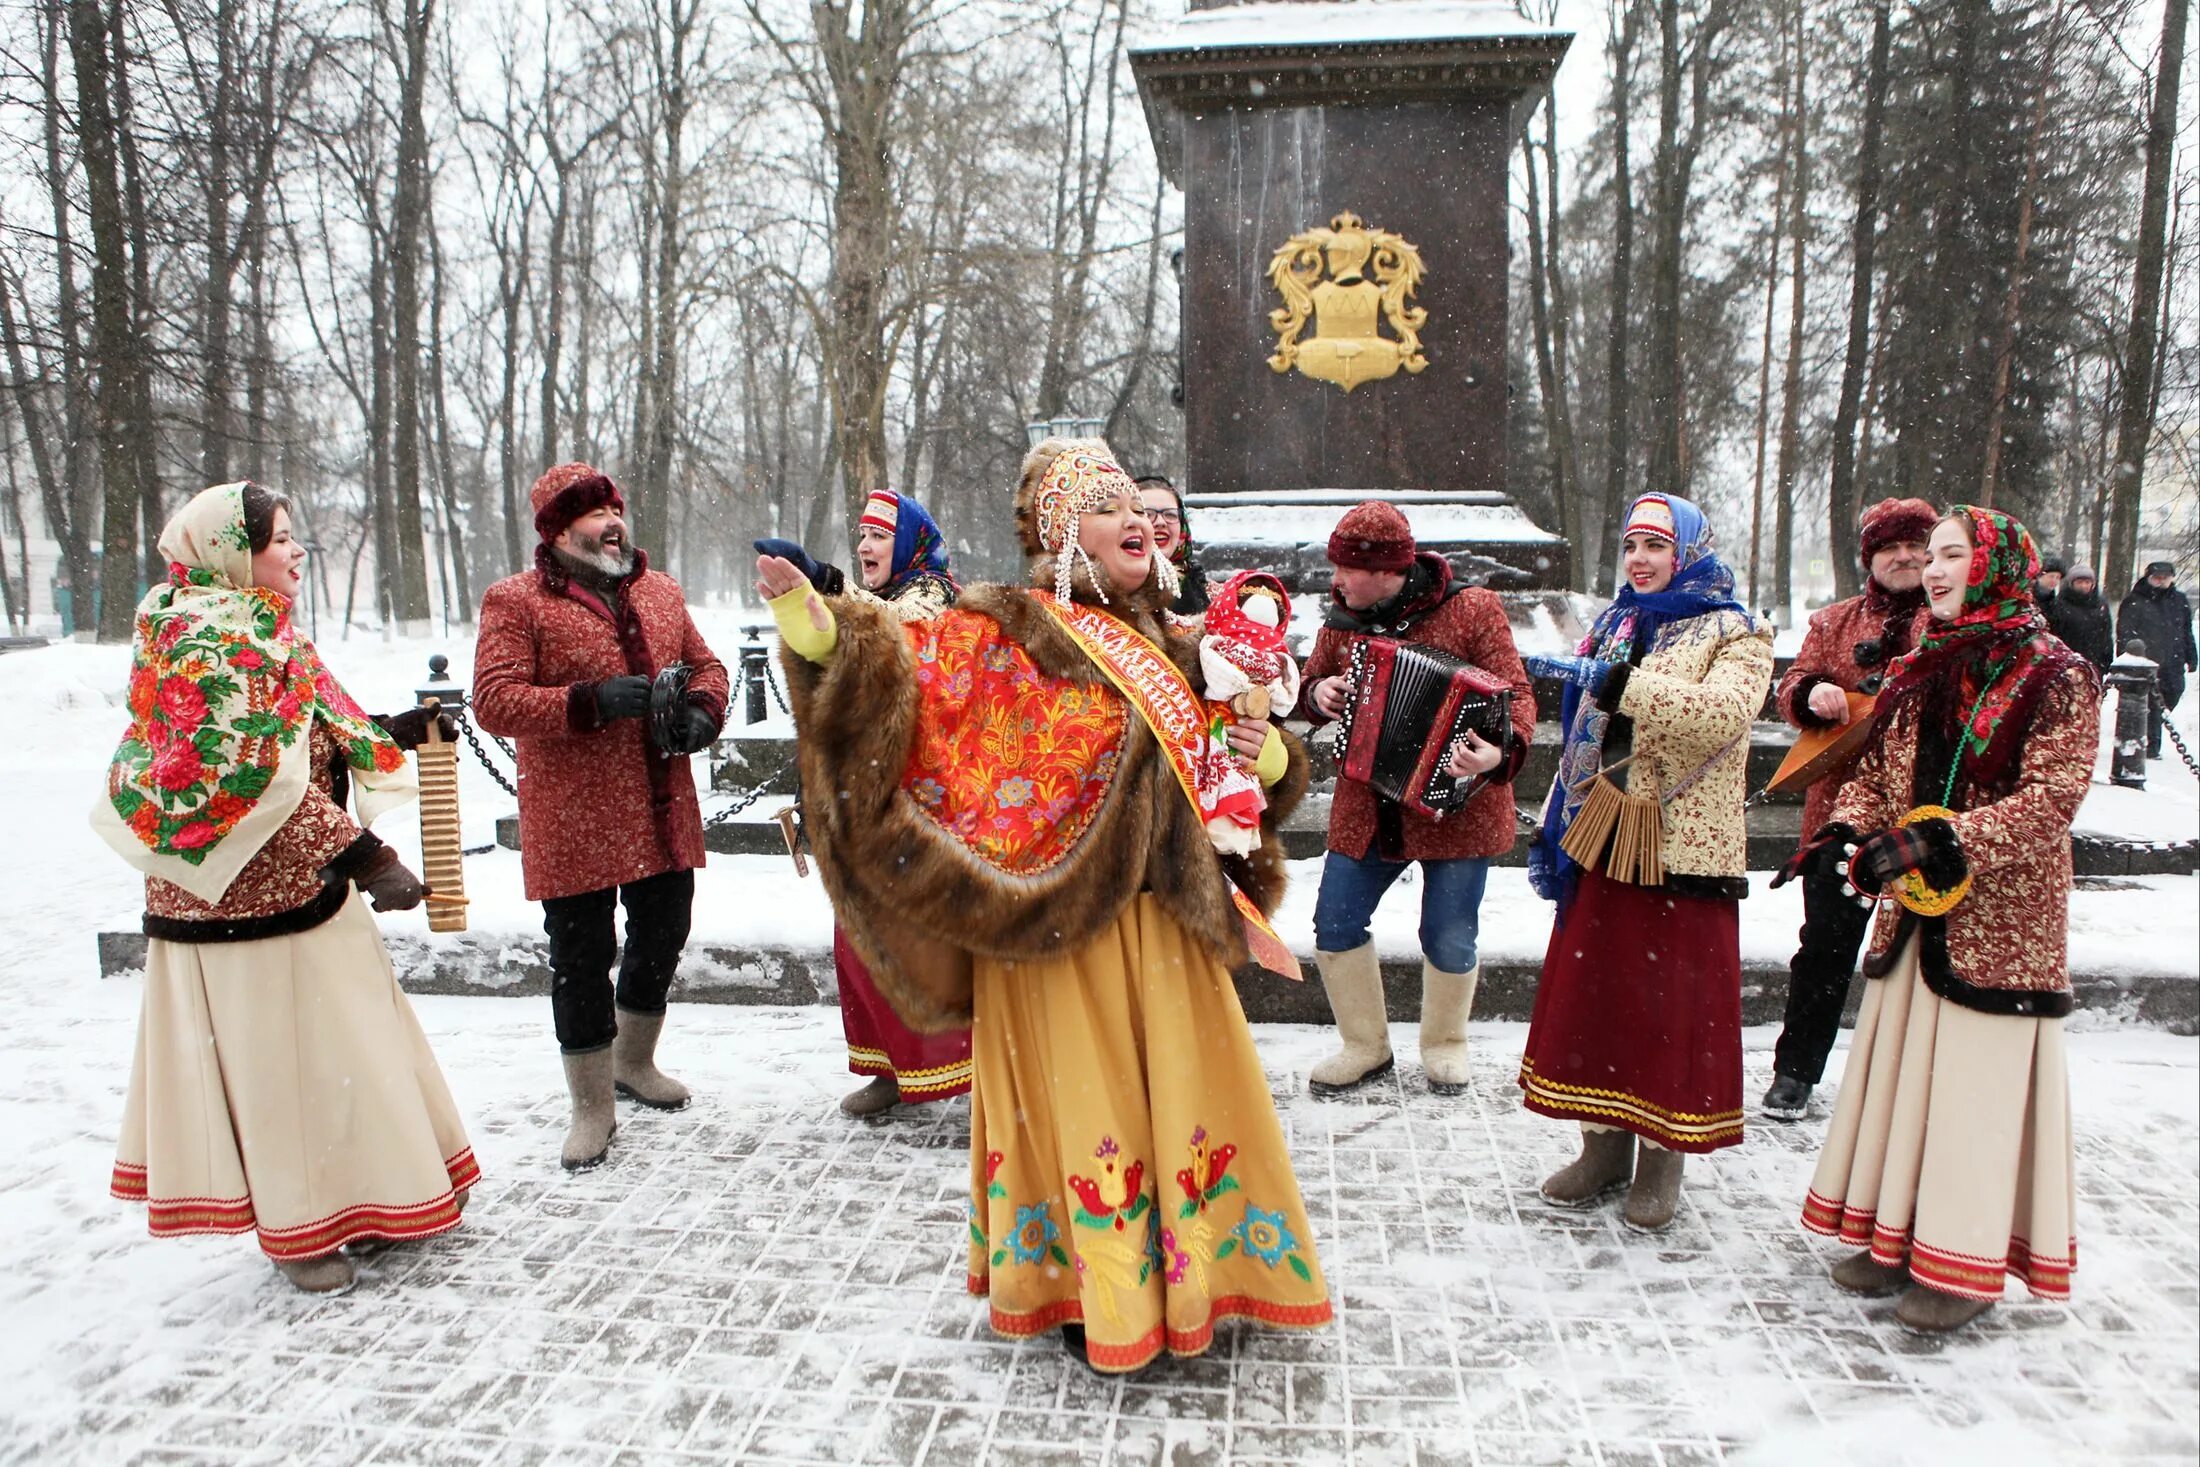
[(473, 741), (741, 802), (771, 681), (2178, 739)]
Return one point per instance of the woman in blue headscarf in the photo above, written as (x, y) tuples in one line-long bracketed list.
[(1637, 1028), (901, 562)]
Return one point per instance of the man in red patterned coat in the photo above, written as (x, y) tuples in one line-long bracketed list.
[(1846, 650), (1382, 585), (564, 667)]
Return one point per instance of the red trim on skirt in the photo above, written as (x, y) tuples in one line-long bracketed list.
[(174, 1217), (1142, 1351), (1638, 1017), (926, 1066)]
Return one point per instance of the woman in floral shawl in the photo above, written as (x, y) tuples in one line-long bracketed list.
[(1637, 1032), (1949, 1158), (281, 1085)]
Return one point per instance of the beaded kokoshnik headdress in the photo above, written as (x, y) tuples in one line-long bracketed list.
[(1084, 478)]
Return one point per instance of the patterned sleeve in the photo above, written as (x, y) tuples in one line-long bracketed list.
[(2053, 773), (1489, 646), (507, 699), (1698, 718), (1813, 665), (1326, 660), (923, 601)]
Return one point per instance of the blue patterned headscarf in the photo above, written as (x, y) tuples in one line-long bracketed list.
[(1701, 584), (919, 550)]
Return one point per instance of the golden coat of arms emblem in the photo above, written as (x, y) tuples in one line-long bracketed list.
[(1347, 279)]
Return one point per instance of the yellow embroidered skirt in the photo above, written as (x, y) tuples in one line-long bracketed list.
[(283, 1087), (1127, 1169)]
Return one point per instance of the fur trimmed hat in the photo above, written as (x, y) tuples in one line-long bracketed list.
[(1372, 536), (1893, 520), (1062, 480), (565, 493)]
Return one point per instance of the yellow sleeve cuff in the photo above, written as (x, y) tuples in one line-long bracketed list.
[(1275, 759), (810, 642)]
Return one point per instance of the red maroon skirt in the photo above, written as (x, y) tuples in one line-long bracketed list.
[(926, 1066), (1638, 1018)]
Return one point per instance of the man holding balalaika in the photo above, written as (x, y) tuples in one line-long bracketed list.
[(1441, 714)]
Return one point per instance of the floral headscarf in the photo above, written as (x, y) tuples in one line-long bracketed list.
[(1988, 669), (223, 695), (1701, 585), (919, 549)]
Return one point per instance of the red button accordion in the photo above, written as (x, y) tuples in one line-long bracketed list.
[(1406, 707)]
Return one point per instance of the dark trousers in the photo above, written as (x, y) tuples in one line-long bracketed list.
[(583, 940), (1818, 978), (2171, 694)]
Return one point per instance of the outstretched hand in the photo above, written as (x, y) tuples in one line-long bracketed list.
[(776, 576)]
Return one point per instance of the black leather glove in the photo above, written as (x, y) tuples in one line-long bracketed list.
[(409, 730), (824, 578), (622, 697), (700, 731), (389, 886)]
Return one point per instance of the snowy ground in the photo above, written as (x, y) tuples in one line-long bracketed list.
[(759, 1278)]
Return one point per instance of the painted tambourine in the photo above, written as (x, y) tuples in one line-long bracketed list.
[(1913, 890)]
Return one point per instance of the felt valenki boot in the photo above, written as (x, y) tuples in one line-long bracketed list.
[(1860, 1273), (331, 1273), (634, 1063), (1931, 1312), (595, 1109), (1354, 982), (1446, 1001), (874, 1099), (1607, 1158), (1651, 1201)]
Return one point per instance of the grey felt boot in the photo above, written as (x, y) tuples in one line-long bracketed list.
[(1607, 1158), (634, 1063), (1657, 1190), (331, 1273), (595, 1109)]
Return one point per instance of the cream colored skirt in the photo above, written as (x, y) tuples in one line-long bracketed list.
[(1950, 1145), (282, 1086)]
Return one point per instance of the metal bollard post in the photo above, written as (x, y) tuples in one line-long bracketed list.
[(753, 671), (2132, 675)]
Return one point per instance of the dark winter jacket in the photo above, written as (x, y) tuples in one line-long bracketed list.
[(599, 804), (2082, 621), (2161, 617), (1467, 622)]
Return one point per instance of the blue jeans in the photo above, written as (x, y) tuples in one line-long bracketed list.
[(1451, 905)]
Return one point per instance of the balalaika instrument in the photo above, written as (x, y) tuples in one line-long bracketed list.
[(1407, 707)]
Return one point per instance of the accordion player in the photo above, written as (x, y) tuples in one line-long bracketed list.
[(1407, 706)]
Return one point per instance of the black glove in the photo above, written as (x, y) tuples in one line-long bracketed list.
[(622, 697), (389, 886), (409, 730), (825, 579), (700, 730)]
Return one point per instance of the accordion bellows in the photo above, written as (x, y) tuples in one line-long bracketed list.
[(1409, 705)]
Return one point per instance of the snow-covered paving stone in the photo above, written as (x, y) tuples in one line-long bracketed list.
[(761, 1279)]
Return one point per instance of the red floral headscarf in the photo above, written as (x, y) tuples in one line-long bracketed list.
[(223, 696), (1985, 673)]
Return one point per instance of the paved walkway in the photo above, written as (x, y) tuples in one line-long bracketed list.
[(761, 1279)]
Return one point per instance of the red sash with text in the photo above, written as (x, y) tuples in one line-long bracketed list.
[(1154, 685)]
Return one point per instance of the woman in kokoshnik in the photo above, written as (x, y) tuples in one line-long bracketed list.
[(902, 565), (1637, 1030), (1018, 843), (281, 1085), (1949, 1157)]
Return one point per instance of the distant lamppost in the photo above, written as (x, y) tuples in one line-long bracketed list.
[(1038, 433)]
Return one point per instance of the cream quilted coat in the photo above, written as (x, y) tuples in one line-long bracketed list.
[(1696, 693)]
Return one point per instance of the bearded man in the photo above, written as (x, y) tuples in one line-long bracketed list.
[(1846, 650), (565, 666)]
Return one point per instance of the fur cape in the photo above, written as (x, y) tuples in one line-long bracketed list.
[(917, 904)]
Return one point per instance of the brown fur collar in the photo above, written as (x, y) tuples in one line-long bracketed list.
[(900, 885)]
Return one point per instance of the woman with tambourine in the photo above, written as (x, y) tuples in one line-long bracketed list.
[(1637, 1031), (1949, 1155)]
